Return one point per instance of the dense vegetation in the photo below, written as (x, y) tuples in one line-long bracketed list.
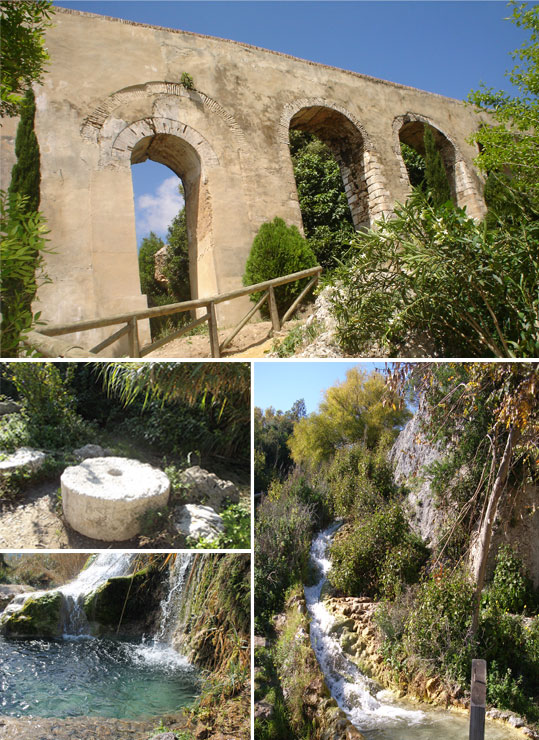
[(22, 227), (438, 610), (327, 221), (432, 274), (156, 412)]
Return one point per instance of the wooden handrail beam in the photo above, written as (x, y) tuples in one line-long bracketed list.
[(53, 347), (110, 340), (171, 308)]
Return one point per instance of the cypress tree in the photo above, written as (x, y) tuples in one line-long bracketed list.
[(435, 174), (25, 175)]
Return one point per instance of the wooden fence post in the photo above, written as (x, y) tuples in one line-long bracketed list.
[(478, 700), (214, 335), (134, 347), (274, 313)]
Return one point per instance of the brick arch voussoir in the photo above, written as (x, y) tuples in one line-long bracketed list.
[(123, 144), (94, 122), (290, 110)]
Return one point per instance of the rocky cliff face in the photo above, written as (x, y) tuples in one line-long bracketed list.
[(411, 455), (517, 522)]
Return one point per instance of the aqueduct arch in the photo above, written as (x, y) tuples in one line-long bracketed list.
[(349, 142), (465, 189), (113, 96)]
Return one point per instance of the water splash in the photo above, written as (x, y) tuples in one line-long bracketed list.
[(355, 694), (104, 566)]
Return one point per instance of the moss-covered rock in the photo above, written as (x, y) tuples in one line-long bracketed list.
[(122, 604), (41, 616)]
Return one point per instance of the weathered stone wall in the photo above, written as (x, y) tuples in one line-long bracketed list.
[(112, 97)]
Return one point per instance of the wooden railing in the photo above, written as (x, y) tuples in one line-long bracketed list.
[(128, 321)]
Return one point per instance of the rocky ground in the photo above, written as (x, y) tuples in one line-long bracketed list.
[(80, 728), (35, 521), (231, 722)]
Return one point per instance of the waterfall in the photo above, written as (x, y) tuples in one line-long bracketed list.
[(158, 651), (171, 604), (104, 566), (355, 694)]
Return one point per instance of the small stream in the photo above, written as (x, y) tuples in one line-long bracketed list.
[(376, 714), (80, 675)]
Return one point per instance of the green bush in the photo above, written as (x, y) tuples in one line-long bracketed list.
[(376, 554), (434, 272), (511, 589), (283, 532), (22, 245), (438, 623), (48, 406), (358, 479), (278, 250)]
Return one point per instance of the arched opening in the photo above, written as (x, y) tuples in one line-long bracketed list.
[(346, 144), (415, 150), (168, 260)]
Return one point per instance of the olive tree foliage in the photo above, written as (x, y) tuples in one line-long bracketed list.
[(356, 410), (511, 141), (23, 55)]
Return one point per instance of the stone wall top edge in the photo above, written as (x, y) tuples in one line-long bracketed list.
[(399, 85)]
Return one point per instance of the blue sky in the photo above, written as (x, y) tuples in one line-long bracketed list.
[(443, 47), (279, 383)]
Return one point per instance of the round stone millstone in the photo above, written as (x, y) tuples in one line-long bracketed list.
[(104, 497)]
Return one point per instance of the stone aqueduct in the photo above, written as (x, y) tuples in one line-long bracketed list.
[(112, 98)]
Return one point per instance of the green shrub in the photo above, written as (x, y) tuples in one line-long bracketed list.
[(48, 406), (358, 479), (22, 245), (283, 532), (438, 623), (376, 553), (436, 273), (511, 589), (14, 432), (278, 250)]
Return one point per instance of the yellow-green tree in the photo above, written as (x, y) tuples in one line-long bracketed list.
[(357, 410)]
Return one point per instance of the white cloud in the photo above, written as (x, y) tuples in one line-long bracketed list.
[(155, 211)]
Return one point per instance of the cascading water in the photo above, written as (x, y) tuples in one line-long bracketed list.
[(158, 650), (104, 566), (371, 710), (94, 676)]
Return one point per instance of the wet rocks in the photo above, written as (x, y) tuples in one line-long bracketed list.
[(9, 591), (39, 616)]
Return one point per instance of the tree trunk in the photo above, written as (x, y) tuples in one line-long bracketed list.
[(485, 533)]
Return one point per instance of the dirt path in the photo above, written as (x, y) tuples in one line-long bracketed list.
[(254, 340)]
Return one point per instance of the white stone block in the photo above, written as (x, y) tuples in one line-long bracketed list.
[(104, 497)]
